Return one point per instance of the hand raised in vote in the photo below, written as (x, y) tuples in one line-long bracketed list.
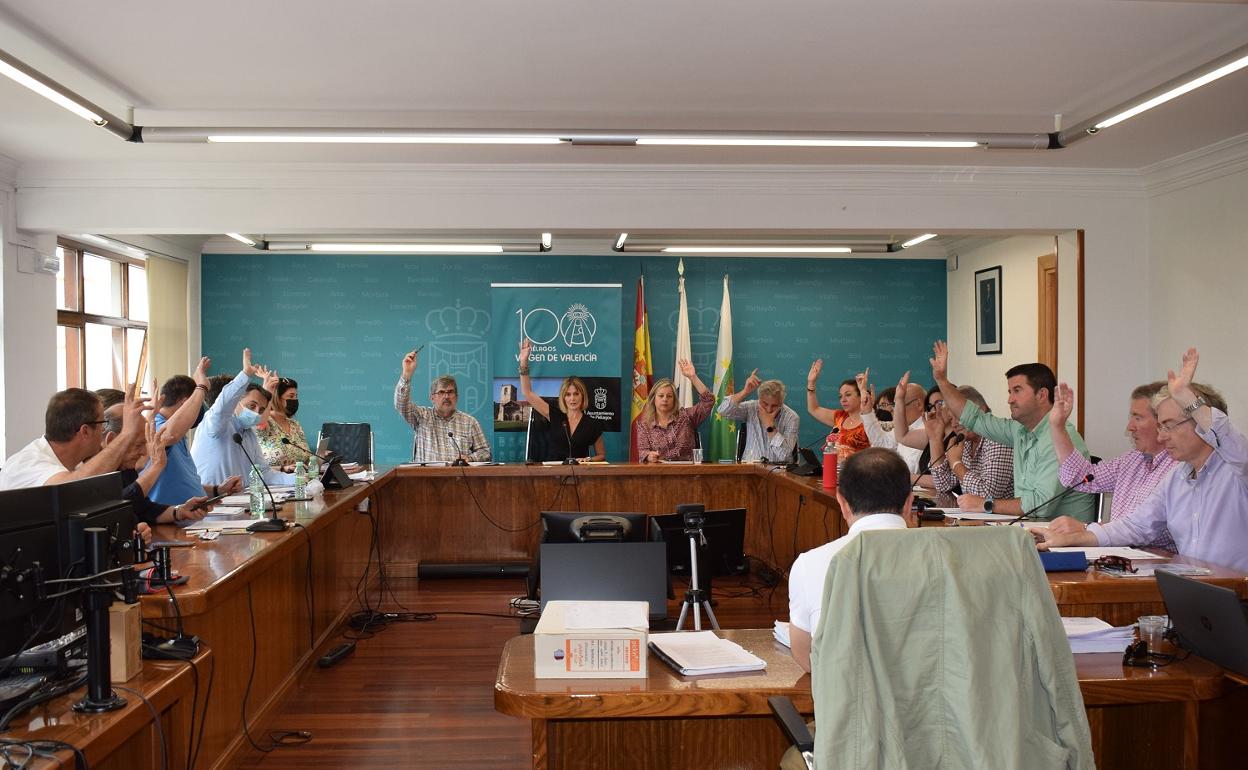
[(1180, 385), (686, 368), (200, 375), (813, 375), (1063, 405), (940, 361), (409, 364), (526, 347), (901, 387), (751, 383), (248, 367)]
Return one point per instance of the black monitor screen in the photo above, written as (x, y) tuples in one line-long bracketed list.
[(724, 553), (29, 542), (95, 502), (576, 527)]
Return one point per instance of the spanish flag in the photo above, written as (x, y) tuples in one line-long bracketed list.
[(643, 366)]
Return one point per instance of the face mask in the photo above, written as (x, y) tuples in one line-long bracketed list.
[(292, 406), (248, 419), (883, 416), (203, 410)]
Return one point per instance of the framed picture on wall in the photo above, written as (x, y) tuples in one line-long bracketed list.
[(988, 311)]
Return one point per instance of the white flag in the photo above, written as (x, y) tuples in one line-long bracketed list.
[(684, 348)]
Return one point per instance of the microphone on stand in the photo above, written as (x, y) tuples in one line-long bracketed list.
[(1053, 499), (307, 451), (569, 460), (274, 523), (459, 453)]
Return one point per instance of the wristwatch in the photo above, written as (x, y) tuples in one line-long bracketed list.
[(1198, 403), (988, 506)]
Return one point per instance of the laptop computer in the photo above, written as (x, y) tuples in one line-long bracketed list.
[(606, 572), (1209, 620)]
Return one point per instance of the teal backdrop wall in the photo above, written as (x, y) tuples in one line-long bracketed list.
[(340, 324)]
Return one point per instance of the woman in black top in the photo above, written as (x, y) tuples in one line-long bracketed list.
[(569, 424)]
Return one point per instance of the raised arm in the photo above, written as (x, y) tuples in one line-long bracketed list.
[(821, 413), (1063, 405), (1211, 425), (901, 431), (110, 457), (403, 391), (184, 418), (940, 373), (526, 385)]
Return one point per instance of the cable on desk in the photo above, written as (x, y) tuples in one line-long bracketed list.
[(160, 730), (279, 738), (43, 696), (44, 749)]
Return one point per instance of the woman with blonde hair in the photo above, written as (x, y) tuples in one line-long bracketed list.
[(571, 434), (666, 431)]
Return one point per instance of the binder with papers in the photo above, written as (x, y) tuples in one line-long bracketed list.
[(697, 653)]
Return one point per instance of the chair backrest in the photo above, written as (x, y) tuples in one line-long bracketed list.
[(352, 441), (742, 431), (942, 648)]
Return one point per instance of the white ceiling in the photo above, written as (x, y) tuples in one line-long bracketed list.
[(970, 65)]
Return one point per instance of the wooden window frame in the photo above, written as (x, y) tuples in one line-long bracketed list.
[(79, 318)]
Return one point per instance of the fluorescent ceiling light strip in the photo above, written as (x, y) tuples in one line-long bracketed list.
[(547, 238), (50, 93), (757, 250), (242, 238), (109, 243), (917, 240), (410, 248), (619, 242), (711, 141), (380, 139), (1175, 92)]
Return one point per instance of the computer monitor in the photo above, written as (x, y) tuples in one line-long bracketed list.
[(605, 572), (30, 540), (95, 502), (606, 527), (724, 552)]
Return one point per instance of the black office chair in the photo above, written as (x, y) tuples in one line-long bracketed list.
[(741, 437), (352, 442)]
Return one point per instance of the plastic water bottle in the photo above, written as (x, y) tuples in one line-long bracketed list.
[(255, 488), (314, 468), (301, 479)]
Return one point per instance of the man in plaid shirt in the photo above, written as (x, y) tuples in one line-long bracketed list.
[(443, 433)]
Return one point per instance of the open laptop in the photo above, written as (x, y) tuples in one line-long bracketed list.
[(1210, 620), (606, 572)]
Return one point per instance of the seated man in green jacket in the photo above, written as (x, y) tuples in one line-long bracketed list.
[(1037, 484)]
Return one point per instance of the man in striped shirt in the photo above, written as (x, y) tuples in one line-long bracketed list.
[(443, 433), (1132, 476)]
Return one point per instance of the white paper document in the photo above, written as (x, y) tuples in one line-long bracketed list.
[(1095, 552), (694, 653), (781, 632), (580, 616), (1095, 635), (957, 513)]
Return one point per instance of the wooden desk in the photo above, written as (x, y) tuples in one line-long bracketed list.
[(264, 576), (1140, 718), (125, 739)]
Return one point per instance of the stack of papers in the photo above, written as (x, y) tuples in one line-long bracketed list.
[(1095, 635), (781, 632), (957, 513), (1095, 552), (694, 653)]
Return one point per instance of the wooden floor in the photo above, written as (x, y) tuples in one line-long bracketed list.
[(421, 694)]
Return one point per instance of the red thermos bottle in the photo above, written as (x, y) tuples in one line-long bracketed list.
[(829, 465)]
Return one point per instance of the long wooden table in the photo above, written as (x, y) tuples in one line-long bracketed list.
[(126, 739), (1170, 718), (490, 515), (242, 588)]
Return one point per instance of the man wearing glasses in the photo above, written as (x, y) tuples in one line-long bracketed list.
[(1204, 502), (72, 446), (443, 433)]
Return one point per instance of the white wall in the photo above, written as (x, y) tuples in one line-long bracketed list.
[(1017, 258), (29, 341), (1198, 260)]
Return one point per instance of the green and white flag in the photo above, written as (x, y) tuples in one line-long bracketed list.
[(722, 444)]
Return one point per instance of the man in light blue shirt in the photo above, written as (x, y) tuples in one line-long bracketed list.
[(1204, 501), (238, 411)]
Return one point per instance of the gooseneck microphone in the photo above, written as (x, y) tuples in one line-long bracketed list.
[(459, 453), (1073, 488), (299, 446), (274, 523)]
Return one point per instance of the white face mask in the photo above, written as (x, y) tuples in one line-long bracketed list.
[(248, 419)]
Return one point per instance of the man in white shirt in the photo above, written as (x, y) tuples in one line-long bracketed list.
[(909, 403), (874, 492), (72, 446)]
